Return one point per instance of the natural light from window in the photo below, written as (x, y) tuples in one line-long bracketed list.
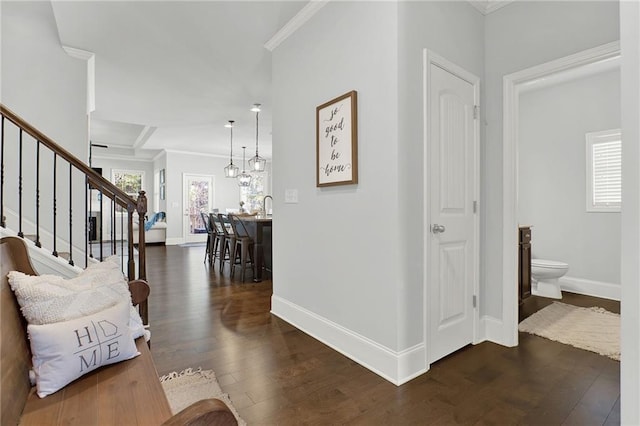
[(604, 171)]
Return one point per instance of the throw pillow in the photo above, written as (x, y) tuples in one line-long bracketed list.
[(67, 350), (47, 299)]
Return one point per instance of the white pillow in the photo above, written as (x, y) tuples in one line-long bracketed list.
[(47, 299), (64, 351)]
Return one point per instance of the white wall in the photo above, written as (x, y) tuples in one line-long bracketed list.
[(336, 251), (226, 194), (518, 36), (630, 306), (45, 86), (552, 196)]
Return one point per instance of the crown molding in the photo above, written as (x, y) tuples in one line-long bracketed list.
[(487, 6), (294, 23), (199, 154), (85, 55)]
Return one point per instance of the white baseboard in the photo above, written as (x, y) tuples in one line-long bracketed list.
[(590, 288), (396, 367), (174, 241), (493, 329)]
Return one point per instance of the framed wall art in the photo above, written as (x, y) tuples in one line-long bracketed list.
[(337, 141)]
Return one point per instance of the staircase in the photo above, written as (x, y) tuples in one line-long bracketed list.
[(47, 196)]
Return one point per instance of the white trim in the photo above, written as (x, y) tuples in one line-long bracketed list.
[(430, 57), (144, 136), (199, 154), (396, 367), (90, 57), (487, 6), (294, 23), (600, 289), (511, 83), (174, 241), (122, 157), (492, 329)]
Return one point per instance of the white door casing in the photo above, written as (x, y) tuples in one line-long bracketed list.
[(451, 225), (191, 211)]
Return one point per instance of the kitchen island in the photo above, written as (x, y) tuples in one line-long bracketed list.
[(259, 228)]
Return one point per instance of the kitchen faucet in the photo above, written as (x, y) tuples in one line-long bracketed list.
[(264, 203)]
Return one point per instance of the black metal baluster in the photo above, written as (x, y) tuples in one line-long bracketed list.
[(86, 221), (2, 222), (20, 233), (38, 195), (70, 214), (55, 203), (122, 241), (112, 213), (101, 222)]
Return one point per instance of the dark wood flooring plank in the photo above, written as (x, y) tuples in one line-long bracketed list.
[(276, 374)]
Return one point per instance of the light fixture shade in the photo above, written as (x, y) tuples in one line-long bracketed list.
[(244, 178), (257, 163), (231, 171)]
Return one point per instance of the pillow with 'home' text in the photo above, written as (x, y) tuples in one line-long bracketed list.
[(64, 351), (46, 299)]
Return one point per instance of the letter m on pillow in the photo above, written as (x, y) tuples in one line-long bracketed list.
[(97, 344)]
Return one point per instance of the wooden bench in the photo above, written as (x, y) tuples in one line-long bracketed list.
[(127, 393)]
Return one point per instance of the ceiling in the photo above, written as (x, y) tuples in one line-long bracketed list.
[(170, 74)]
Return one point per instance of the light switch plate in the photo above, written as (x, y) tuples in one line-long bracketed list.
[(291, 196)]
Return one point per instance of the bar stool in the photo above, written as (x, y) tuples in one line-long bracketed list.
[(207, 226), (242, 245), (218, 236), (227, 241)]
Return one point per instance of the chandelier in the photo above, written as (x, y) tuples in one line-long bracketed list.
[(230, 171), (257, 163), (244, 178)]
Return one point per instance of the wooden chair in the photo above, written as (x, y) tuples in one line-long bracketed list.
[(227, 242), (242, 247)]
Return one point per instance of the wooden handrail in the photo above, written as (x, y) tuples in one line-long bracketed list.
[(95, 180)]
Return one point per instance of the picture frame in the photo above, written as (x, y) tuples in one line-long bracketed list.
[(337, 141), (163, 194), (161, 176)]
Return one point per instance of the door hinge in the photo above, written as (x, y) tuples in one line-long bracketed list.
[(475, 207), (475, 301), (476, 112)]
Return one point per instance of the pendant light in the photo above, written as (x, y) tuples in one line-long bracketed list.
[(231, 171), (244, 178), (257, 163)]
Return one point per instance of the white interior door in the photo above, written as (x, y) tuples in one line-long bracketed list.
[(198, 197), (452, 169)]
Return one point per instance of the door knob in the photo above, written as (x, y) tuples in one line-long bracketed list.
[(437, 229)]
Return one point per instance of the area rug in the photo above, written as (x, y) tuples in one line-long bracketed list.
[(593, 329), (189, 386)]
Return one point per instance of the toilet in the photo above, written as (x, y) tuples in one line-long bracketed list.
[(544, 277)]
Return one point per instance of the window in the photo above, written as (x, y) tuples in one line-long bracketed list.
[(130, 181), (604, 171)]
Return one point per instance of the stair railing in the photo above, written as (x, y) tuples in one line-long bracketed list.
[(29, 186)]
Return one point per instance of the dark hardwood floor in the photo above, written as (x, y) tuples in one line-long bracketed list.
[(276, 374)]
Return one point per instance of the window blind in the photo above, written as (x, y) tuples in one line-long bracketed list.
[(606, 174)]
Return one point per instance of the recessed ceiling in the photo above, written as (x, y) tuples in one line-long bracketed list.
[(180, 68)]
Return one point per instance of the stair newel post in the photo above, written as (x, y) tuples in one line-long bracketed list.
[(55, 203), (142, 211), (20, 233), (131, 264), (70, 214), (2, 222), (38, 195)]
